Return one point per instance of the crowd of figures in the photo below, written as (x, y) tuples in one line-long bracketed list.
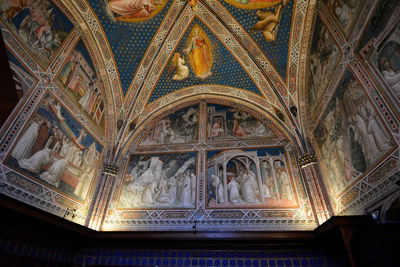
[(243, 185), (181, 127), (350, 136), (47, 152), (160, 181), (33, 21)]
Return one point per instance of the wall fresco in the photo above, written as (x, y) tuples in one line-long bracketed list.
[(323, 59), (258, 178), (346, 12), (351, 136), (55, 150), (160, 181), (39, 25), (78, 79), (24, 80), (180, 127), (226, 123)]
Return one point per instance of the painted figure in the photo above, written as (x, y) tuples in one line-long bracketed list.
[(181, 70), (24, 146), (133, 8), (199, 51), (268, 22)]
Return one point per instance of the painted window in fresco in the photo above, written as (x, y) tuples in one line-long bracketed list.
[(180, 127), (350, 136), (346, 13), (323, 59), (79, 81), (256, 178), (224, 123), (165, 180), (55, 150), (40, 25)]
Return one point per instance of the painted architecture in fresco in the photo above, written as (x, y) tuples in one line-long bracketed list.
[(224, 123), (249, 178), (323, 59), (79, 81), (160, 181), (55, 150), (350, 136), (177, 128), (39, 25)]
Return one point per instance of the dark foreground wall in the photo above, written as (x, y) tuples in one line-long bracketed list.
[(29, 237)]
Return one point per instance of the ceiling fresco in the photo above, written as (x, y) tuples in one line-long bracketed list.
[(221, 67), (274, 43), (128, 38), (158, 115)]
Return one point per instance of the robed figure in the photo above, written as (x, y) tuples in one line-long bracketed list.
[(199, 54)]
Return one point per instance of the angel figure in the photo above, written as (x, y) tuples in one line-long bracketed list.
[(268, 21), (181, 70)]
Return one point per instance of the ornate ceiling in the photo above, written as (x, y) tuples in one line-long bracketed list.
[(127, 82), (243, 63)]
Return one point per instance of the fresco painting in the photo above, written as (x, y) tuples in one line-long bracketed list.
[(135, 10), (180, 127), (154, 181), (346, 13), (323, 59), (351, 137), (388, 61), (226, 123), (39, 25), (251, 178), (23, 78), (55, 150), (79, 81)]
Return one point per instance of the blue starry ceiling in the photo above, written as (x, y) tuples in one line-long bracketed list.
[(128, 40), (277, 51), (225, 69)]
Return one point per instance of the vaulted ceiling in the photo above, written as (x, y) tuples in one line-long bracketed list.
[(256, 66)]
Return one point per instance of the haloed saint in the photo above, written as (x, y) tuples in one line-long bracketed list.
[(199, 53)]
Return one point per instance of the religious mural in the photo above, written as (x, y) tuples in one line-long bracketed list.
[(199, 53), (200, 58), (323, 60), (177, 128), (135, 10), (350, 136), (256, 178), (346, 12), (160, 181), (39, 25), (225, 123), (79, 81), (380, 46), (268, 19), (24, 80), (388, 61), (55, 150)]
